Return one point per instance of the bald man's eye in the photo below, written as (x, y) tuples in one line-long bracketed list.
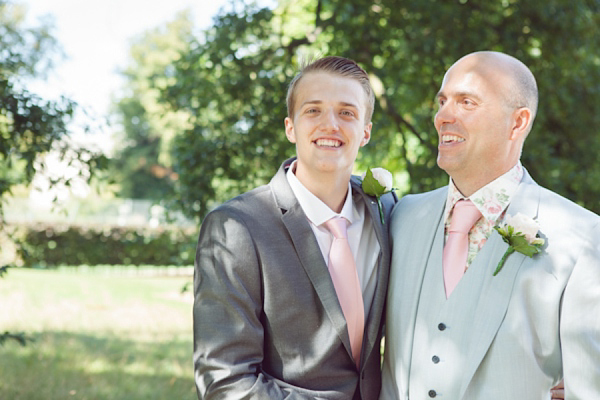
[(468, 102)]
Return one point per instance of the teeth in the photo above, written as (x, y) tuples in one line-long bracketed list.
[(451, 138), (328, 143)]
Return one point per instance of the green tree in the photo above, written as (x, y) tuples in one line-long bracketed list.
[(233, 80), (142, 165), (233, 83), (29, 126)]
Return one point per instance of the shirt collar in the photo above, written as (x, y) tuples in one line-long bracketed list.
[(492, 199), (317, 211)]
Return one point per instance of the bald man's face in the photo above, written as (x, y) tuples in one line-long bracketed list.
[(474, 123)]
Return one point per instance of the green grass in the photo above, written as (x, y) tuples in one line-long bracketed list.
[(96, 336)]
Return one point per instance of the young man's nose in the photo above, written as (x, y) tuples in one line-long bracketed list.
[(329, 121)]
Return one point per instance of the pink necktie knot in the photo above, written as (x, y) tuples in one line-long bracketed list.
[(338, 227), (464, 216), (456, 250)]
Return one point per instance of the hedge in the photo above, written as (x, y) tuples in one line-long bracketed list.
[(52, 246)]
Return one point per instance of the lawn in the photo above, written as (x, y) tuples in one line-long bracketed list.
[(96, 336)]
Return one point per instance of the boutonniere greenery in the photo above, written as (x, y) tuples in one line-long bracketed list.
[(520, 232), (377, 182)]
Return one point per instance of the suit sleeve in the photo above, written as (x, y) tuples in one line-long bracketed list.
[(228, 332), (580, 324)]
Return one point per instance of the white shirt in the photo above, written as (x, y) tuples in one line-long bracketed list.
[(361, 234)]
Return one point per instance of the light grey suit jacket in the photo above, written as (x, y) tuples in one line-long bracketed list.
[(537, 320), (267, 321)]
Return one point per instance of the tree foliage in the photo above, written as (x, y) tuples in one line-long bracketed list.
[(29, 125), (233, 82), (233, 78), (142, 167)]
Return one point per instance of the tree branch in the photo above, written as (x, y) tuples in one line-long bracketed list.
[(311, 36), (318, 14), (395, 115)]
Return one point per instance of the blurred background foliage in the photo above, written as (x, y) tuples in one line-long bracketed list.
[(143, 165), (200, 117), (200, 120), (30, 126), (48, 246), (208, 120)]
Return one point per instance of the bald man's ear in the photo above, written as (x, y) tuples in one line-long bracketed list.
[(522, 120)]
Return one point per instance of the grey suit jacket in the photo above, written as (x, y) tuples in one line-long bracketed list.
[(267, 321), (537, 320)]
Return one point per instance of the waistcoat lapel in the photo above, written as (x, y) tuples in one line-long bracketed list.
[(497, 290), (406, 289)]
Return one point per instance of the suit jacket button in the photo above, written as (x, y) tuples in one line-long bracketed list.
[(441, 326), (432, 393), (435, 359)]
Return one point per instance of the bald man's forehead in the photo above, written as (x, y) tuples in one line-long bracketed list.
[(473, 80), (491, 57), (503, 74), (494, 65)]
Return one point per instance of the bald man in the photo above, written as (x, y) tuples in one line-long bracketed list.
[(454, 330)]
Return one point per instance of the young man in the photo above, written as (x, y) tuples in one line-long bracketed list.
[(454, 329), (273, 316)]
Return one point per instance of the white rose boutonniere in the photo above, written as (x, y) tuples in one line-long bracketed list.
[(377, 182), (520, 232)]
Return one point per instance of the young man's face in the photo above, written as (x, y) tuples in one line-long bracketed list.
[(328, 125)]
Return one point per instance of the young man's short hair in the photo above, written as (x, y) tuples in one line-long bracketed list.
[(339, 66)]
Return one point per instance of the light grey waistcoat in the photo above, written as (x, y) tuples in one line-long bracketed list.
[(443, 326)]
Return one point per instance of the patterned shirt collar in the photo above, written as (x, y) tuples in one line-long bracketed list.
[(492, 199)]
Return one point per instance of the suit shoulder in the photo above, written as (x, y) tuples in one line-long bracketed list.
[(245, 206), (565, 212), (413, 208), (424, 199)]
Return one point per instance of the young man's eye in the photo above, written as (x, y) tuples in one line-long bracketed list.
[(348, 113)]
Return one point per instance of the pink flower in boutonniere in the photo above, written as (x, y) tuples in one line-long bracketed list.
[(521, 234), (377, 182)]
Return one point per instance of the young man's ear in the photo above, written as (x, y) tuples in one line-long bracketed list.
[(367, 134), (289, 129)]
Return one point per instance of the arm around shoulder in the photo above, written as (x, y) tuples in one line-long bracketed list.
[(580, 323)]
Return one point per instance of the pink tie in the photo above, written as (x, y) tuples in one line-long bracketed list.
[(454, 259), (345, 280)]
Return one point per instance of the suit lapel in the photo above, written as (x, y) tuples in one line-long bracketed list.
[(312, 261), (497, 290), (375, 313), (308, 251)]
